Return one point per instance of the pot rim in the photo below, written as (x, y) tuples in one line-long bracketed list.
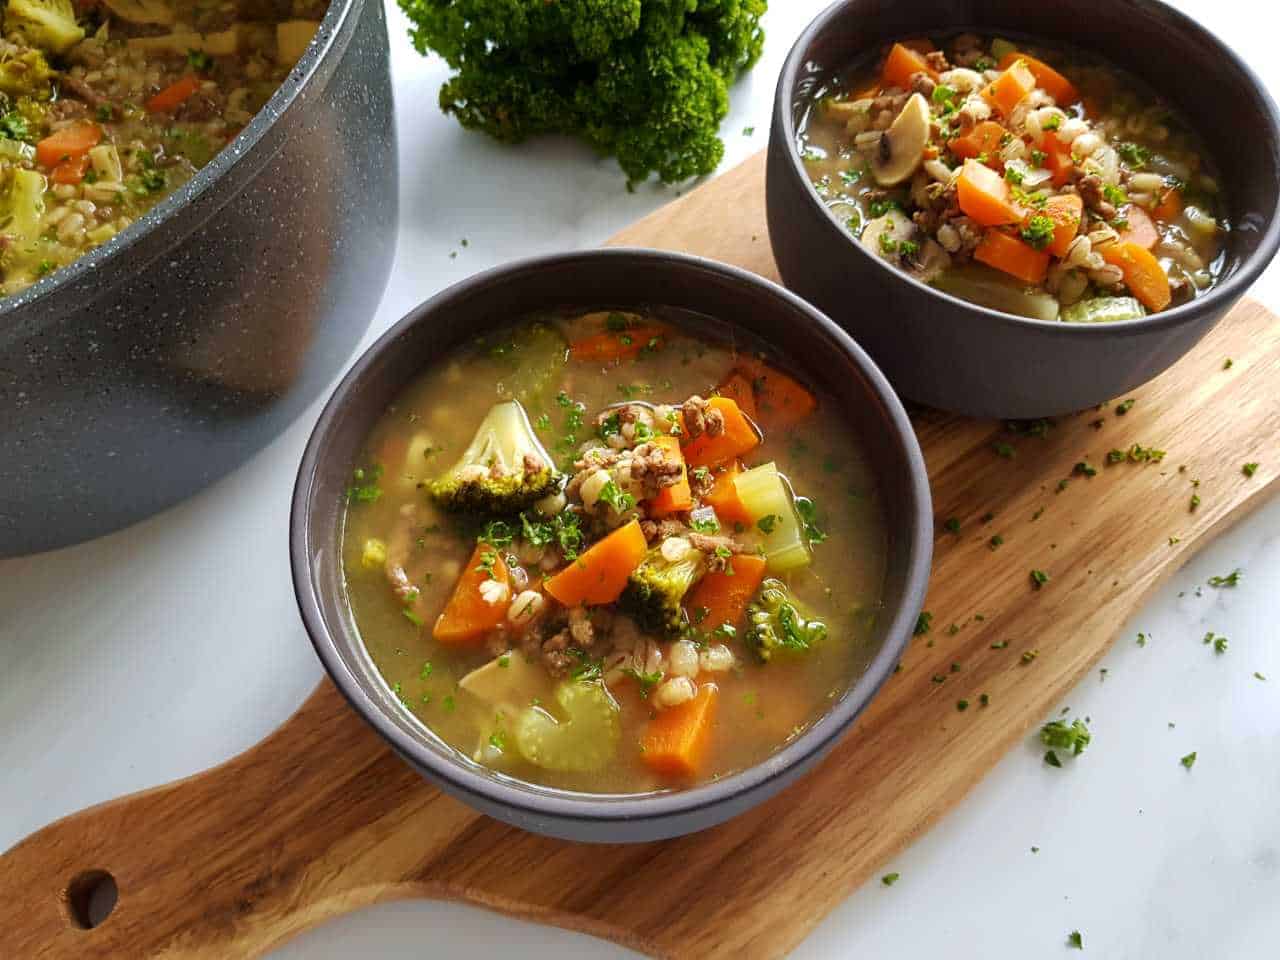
[(1220, 297), (536, 801), (234, 155)]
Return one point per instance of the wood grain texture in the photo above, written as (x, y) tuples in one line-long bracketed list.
[(320, 818)]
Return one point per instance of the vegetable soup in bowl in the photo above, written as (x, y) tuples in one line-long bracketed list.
[(1015, 216), (610, 568)]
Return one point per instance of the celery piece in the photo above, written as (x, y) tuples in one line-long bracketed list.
[(585, 740), (767, 497), (987, 288), (1103, 310)]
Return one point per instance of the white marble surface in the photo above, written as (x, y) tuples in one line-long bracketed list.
[(159, 651)]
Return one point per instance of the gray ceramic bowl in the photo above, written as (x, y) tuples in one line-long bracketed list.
[(163, 359), (810, 343), (945, 352)]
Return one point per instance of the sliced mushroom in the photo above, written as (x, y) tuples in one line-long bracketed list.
[(930, 261), (885, 235), (901, 148)]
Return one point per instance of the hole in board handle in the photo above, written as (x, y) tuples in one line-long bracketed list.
[(91, 896)]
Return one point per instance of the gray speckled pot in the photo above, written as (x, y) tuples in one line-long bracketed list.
[(805, 339), (164, 359), (948, 353)]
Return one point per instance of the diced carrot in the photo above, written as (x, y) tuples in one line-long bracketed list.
[(614, 345), (722, 597), (984, 140), (1048, 79), (68, 143), (984, 195), (921, 45), (738, 437), (781, 401), (737, 387), (1170, 205), (1012, 256), (468, 616), (174, 95), (901, 64), (678, 496), (1143, 274), (1065, 210), (724, 498), (1141, 229), (676, 739), (1057, 160), (71, 170), (600, 573), (1009, 89)]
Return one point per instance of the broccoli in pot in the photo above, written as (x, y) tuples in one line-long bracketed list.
[(775, 623)]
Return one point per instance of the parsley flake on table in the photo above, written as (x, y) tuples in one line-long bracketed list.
[(1189, 760), (1038, 579), (1058, 734), (1051, 759), (924, 623), (952, 525), (1249, 469), (1074, 939), (1004, 450), (1259, 676), (1125, 407), (1230, 580), (962, 705), (889, 879), (995, 542), (1084, 470)]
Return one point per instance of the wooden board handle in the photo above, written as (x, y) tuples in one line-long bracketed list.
[(229, 862)]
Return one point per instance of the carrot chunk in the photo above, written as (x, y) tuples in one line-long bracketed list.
[(1170, 205), (614, 345), (1141, 229), (1143, 274), (174, 95), (71, 170), (737, 387), (1065, 211), (468, 616), (676, 739), (724, 498), (722, 597), (984, 195), (70, 142), (1009, 89), (1057, 160), (678, 496), (738, 437), (600, 573), (781, 402), (1012, 256), (901, 63), (1048, 79), (984, 140)]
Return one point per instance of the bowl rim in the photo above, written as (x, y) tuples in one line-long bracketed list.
[(1220, 296), (232, 156), (565, 805)]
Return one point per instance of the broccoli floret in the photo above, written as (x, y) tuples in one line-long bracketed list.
[(645, 80), (656, 589), (503, 471), (47, 24), (27, 76), (776, 623)]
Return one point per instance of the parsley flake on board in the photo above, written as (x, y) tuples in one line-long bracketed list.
[(1249, 469), (1059, 735), (1038, 579), (889, 879), (924, 623)]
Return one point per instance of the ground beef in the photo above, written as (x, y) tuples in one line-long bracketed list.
[(585, 466), (700, 419), (1094, 195), (922, 84), (653, 468), (662, 529), (701, 482), (715, 548), (78, 88), (937, 61)]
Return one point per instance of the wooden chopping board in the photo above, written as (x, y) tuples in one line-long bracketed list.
[(321, 818)]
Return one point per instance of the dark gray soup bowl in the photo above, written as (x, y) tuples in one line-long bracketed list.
[(165, 358), (945, 352), (806, 340)]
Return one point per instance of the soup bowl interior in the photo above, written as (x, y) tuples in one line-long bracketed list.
[(805, 340), (949, 353)]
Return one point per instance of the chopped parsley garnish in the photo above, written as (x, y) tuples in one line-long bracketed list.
[(1142, 639), (962, 705), (425, 672), (984, 700), (924, 623), (1038, 579), (543, 422), (768, 522), (13, 126), (1125, 406), (1059, 735), (1039, 231), (1232, 579), (412, 617), (498, 740), (610, 426), (646, 681), (1004, 450), (612, 495), (504, 661), (1084, 470), (1038, 157), (808, 511), (1135, 155), (1249, 469), (879, 207), (1075, 940), (888, 244), (497, 533), (1013, 175), (1189, 760), (704, 524), (889, 879), (1195, 502), (1114, 195), (1259, 676), (488, 560), (1051, 759), (995, 542), (943, 94), (365, 487), (1000, 645), (952, 524), (199, 61), (587, 669), (1228, 363), (448, 703), (1053, 123), (1219, 642), (1029, 655)]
